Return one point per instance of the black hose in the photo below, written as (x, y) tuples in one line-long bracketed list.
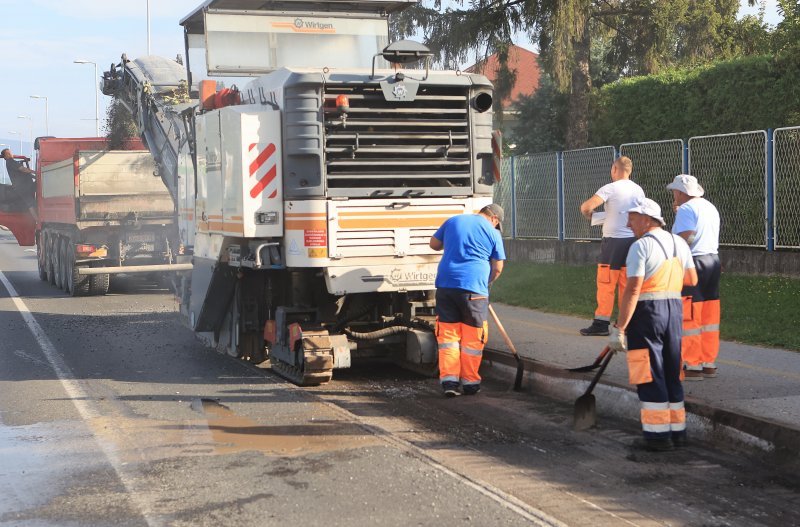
[(379, 334)]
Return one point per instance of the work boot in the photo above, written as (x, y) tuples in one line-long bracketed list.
[(599, 328), (653, 445), (691, 374), (709, 372), (471, 389), (450, 389)]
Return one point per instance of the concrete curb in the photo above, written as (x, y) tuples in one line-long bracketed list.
[(705, 422)]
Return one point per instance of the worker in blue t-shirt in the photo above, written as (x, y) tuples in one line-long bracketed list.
[(473, 259)]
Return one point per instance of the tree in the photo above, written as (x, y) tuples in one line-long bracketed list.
[(542, 124), (646, 35)]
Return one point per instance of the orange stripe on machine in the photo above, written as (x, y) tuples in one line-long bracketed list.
[(392, 222)]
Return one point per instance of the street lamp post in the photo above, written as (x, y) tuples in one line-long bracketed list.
[(46, 113), (96, 96), (30, 122)]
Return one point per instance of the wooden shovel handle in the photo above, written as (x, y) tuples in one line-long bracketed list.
[(499, 325)]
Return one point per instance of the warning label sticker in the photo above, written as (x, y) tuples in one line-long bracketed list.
[(315, 238), (318, 252)]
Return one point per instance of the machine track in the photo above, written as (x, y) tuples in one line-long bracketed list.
[(317, 361)]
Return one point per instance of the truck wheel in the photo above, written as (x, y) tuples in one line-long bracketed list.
[(41, 257), (66, 268), (57, 262), (79, 284), (51, 264), (98, 284)]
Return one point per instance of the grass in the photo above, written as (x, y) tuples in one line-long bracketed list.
[(755, 309)]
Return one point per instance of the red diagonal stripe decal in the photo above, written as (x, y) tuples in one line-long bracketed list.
[(262, 157), (263, 182)]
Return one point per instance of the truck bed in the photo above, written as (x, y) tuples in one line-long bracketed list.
[(103, 186)]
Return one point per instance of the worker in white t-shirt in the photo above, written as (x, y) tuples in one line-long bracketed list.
[(618, 196), (697, 221)]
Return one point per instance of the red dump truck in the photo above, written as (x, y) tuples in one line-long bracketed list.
[(100, 212)]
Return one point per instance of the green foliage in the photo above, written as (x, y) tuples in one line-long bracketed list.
[(542, 121), (744, 94), (755, 309)]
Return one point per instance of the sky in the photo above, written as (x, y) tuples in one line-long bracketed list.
[(40, 39)]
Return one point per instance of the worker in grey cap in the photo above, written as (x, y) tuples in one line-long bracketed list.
[(697, 222), (473, 258)]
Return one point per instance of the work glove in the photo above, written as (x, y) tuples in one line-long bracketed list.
[(617, 341)]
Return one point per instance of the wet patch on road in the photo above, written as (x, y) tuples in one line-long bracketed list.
[(231, 432)]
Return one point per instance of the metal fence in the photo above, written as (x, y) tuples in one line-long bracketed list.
[(584, 171), (753, 178), (732, 169), (786, 195), (655, 164)]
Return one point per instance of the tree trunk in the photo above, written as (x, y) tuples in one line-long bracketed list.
[(578, 110)]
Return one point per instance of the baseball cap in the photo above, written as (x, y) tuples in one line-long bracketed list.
[(496, 210), (648, 207), (687, 184)]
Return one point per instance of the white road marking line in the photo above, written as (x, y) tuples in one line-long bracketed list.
[(76, 393)]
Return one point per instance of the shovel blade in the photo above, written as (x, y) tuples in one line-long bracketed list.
[(585, 415)]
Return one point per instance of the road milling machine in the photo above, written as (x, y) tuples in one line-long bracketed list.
[(310, 162)]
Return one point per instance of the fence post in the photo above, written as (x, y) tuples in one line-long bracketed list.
[(513, 199), (560, 185), (770, 190), (685, 168)]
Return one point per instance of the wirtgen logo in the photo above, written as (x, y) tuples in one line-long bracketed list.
[(299, 23), (401, 277)]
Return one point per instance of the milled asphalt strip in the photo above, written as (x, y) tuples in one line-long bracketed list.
[(536, 516), (74, 391)]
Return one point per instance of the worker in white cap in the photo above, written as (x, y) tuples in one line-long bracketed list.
[(697, 222), (658, 265)]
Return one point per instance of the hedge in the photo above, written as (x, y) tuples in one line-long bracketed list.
[(751, 93)]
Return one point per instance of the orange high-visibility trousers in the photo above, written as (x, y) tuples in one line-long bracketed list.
[(608, 282), (700, 343), (460, 351)]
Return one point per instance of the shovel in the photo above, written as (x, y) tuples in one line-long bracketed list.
[(594, 365), (585, 416), (507, 339)]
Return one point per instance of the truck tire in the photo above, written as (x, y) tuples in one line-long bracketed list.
[(51, 264), (78, 284), (98, 284), (66, 271), (57, 263), (41, 257)]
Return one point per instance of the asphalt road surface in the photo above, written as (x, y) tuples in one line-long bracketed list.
[(113, 413)]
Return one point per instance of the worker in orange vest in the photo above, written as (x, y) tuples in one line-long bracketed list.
[(658, 265)]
